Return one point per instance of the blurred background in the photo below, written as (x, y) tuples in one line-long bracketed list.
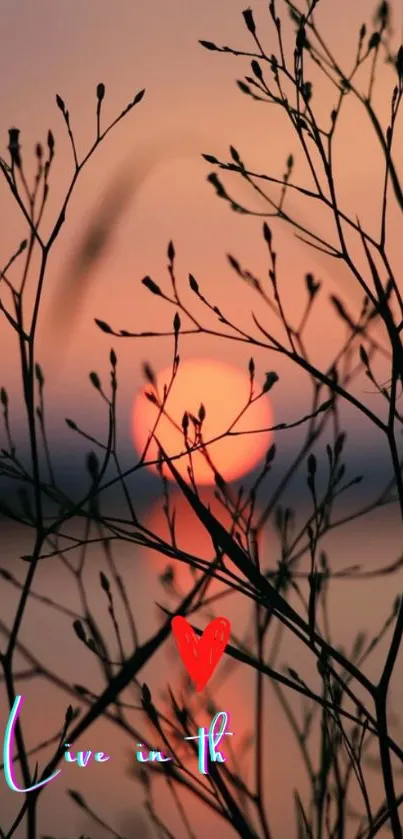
[(152, 164)]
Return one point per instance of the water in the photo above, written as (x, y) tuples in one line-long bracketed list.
[(109, 789)]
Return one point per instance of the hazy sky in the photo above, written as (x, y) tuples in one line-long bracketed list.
[(192, 104)]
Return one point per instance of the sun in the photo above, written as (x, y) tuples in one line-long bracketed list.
[(223, 390)]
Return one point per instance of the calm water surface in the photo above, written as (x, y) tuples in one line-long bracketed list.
[(354, 606)]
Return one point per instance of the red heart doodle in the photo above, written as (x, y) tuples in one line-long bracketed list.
[(201, 655)]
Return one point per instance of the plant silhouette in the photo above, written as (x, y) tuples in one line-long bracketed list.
[(342, 704)]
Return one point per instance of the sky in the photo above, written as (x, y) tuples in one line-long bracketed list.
[(191, 105)]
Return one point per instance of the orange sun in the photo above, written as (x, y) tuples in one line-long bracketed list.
[(223, 390)]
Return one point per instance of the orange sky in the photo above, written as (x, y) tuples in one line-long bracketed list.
[(190, 95)]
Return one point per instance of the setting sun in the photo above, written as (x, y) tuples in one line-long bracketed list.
[(223, 390)]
